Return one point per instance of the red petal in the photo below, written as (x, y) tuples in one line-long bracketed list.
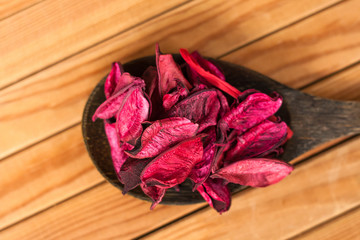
[(173, 166), (211, 78), (216, 193), (130, 171), (170, 99), (255, 172), (163, 134), (132, 113), (254, 109)]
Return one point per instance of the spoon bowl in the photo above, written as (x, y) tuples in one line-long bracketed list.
[(313, 120)]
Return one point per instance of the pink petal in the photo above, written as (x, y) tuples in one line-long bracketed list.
[(163, 134), (112, 79), (173, 166), (216, 193), (255, 172), (134, 111), (250, 112), (117, 149), (170, 99), (155, 193), (169, 72)]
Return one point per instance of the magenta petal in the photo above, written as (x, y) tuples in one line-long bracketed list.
[(134, 111), (170, 99), (250, 112), (130, 171), (117, 150), (216, 193), (258, 141), (255, 172), (112, 79), (201, 107), (155, 193), (169, 72), (163, 134), (173, 166), (201, 170)]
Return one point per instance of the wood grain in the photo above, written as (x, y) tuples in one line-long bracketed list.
[(100, 213), (43, 175), (23, 106), (54, 30), (61, 182), (345, 227), (9, 8), (304, 199), (308, 50)]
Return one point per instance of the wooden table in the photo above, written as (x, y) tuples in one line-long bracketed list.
[(53, 53)]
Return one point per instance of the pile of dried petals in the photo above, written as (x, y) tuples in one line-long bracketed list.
[(164, 128)]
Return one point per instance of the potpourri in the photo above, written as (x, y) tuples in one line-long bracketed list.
[(186, 122)]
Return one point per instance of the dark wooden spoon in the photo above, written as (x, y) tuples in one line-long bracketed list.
[(313, 120)]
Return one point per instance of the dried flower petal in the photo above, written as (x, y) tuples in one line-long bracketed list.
[(163, 134), (201, 170), (201, 107), (211, 78), (255, 172), (254, 109), (130, 171), (173, 166), (112, 79), (134, 111), (170, 99), (258, 141), (216, 193), (155, 193), (169, 72), (117, 150)]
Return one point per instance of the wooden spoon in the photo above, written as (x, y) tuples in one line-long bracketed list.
[(313, 120)]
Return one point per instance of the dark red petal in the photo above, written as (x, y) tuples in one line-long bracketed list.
[(112, 79), (169, 72), (216, 193), (173, 166), (170, 99), (258, 141), (150, 77), (130, 171), (163, 134), (201, 170), (117, 150), (201, 107), (155, 193), (134, 111), (211, 78), (254, 109), (255, 172)]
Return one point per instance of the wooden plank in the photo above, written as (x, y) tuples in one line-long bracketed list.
[(54, 30), (9, 8), (345, 227), (62, 182), (60, 84), (101, 213), (308, 50), (316, 191), (43, 175)]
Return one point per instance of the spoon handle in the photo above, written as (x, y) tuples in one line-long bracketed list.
[(317, 120)]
